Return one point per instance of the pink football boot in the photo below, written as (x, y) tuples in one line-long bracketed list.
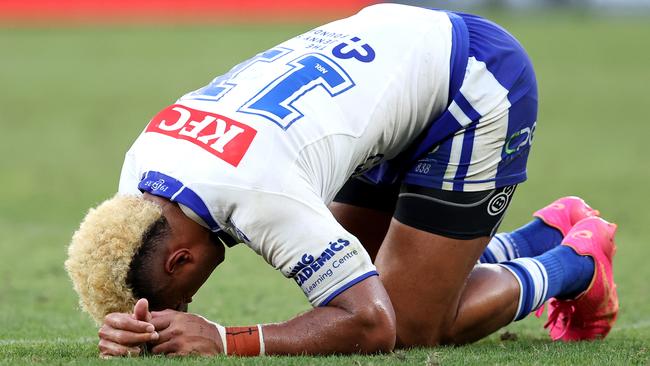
[(591, 314), (565, 212)]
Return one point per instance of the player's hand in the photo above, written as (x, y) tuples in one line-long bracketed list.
[(184, 334), (122, 334)]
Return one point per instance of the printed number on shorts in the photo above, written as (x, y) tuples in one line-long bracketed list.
[(422, 168)]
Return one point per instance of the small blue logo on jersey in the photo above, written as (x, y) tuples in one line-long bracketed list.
[(361, 52)]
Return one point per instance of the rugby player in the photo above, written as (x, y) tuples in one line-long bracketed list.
[(395, 137)]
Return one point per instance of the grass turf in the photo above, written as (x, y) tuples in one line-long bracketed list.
[(72, 101)]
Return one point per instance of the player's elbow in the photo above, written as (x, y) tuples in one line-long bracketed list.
[(376, 322)]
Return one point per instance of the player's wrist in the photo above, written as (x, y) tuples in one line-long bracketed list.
[(220, 340), (221, 330), (244, 341), (241, 341)]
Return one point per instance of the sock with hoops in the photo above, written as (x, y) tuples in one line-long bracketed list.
[(560, 272), (529, 240)]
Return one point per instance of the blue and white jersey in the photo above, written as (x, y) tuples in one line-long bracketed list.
[(261, 151)]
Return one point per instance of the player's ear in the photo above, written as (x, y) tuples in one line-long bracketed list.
[(177, 259)]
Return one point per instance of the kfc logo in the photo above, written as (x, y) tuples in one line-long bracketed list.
[(221, 136)]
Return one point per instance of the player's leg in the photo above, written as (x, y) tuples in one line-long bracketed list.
[(365, 210), (545, 232), (425, 261), (439, 295), (425, 275)]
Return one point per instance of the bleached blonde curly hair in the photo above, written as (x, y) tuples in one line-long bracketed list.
[(101, 251)]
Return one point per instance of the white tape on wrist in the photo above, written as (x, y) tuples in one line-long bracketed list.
[(259, 330), (222, 334)]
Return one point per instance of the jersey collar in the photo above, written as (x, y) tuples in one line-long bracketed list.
[(163, 185)]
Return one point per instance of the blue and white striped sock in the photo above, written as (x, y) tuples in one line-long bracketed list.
[(500, 249), (560, 272), (533, 279), (529, 240)]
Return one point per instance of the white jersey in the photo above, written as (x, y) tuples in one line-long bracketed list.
[(261, 151)]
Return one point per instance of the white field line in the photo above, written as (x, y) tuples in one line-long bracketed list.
[(36, 342)]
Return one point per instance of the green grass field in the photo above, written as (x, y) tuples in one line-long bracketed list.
[(73, 100)]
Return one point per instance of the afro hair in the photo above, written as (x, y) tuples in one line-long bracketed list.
[(101, 252)]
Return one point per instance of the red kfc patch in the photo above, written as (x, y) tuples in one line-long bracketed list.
[(221, 136)]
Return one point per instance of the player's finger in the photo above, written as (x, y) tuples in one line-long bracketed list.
[(170, 346), (165, 335), (124, 337), (155, 314), (124, 321), (162, 321), (108, 349), (141, 310)]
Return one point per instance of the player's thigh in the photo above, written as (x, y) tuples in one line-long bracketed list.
[(431, 247), (365, 210), (424, 274)]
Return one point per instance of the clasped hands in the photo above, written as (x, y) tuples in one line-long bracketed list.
[(168, 332)]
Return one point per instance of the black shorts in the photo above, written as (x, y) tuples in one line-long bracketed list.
[(452, 214)]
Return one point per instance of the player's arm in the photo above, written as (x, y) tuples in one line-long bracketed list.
[(359, 320)]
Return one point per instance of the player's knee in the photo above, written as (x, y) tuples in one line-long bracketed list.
[(377, 324), (416, 331), (417, 334)]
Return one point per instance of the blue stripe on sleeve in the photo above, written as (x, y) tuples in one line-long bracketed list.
[(347, 286)]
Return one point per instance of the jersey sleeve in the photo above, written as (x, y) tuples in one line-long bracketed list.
[(306, 244)]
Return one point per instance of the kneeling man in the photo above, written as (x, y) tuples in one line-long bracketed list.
[(395, 137)]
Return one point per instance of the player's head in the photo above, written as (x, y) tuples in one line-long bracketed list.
[(132, 247)]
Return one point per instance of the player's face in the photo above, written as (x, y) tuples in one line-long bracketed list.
[(189, 256), (193, 267), (210, 255)]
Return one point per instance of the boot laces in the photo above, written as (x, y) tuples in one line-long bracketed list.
[(560, 316)]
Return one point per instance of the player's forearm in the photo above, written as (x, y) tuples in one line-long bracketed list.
[(359, 320), (329, 330)]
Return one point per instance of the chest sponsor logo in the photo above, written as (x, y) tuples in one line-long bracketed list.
[(221, 136)]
